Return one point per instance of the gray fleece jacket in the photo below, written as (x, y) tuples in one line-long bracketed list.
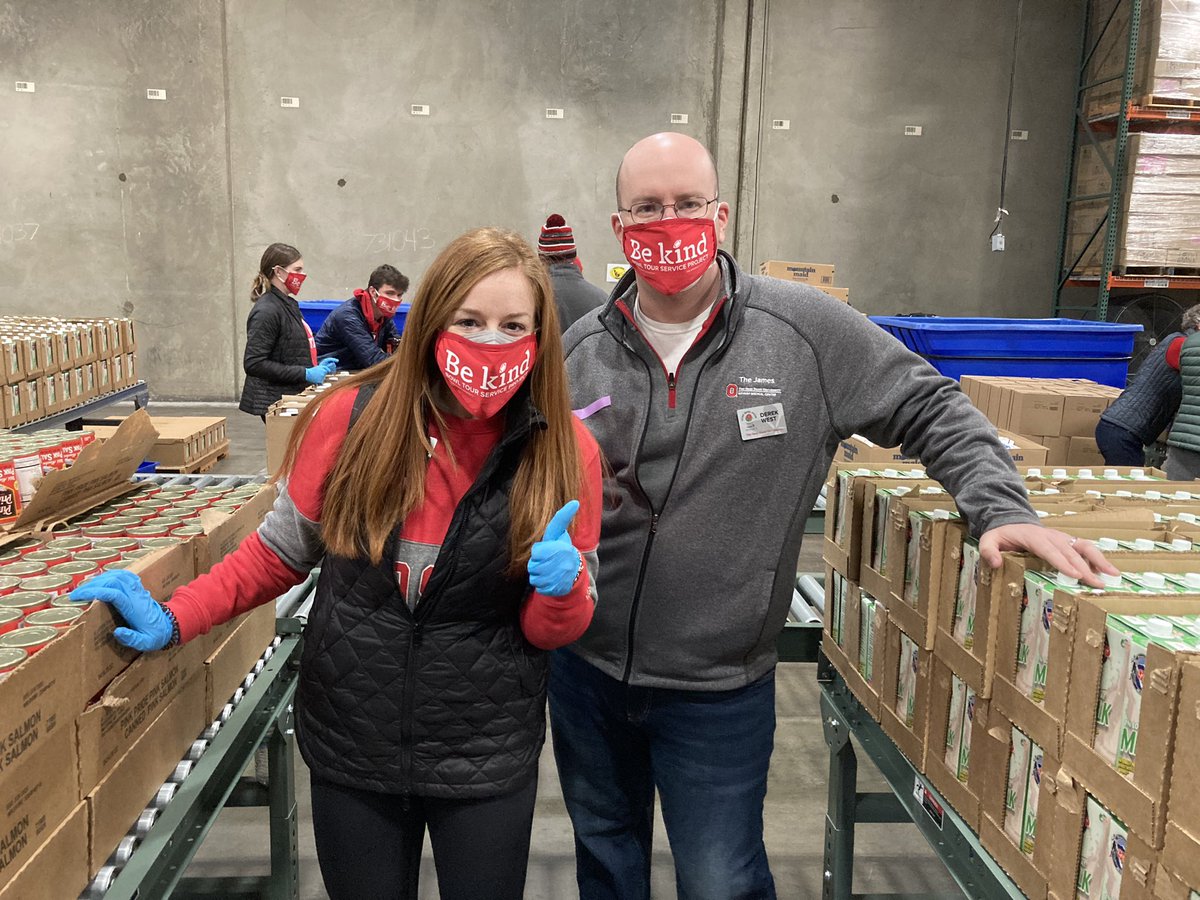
[(715, 470)]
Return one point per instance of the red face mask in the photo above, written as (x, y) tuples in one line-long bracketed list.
[(483, 377), (387, 306), (671, 254), (292, 281)]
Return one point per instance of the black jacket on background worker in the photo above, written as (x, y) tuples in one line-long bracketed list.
[(358, 343), (277, 352), (573, 296), (1142, 412)]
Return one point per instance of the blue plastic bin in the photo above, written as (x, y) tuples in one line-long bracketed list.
[(148, 467), (315, 313), (1054, 339), (1112, 372)]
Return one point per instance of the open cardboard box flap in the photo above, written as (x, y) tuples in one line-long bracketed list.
[(101, 472)]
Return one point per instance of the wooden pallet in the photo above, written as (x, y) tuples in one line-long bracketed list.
[(198, 466), (1165, 271), (1152, 101)]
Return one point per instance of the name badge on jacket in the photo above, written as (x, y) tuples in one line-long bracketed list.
[(761, 421)]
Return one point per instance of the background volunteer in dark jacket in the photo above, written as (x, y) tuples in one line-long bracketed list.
[(1146, 406), (718, 399), (1183, 443), (362, 331), (574, 296), (281, 354), (437, 498)]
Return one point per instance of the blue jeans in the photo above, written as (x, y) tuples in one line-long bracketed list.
[(707, 753), (1119, 446)]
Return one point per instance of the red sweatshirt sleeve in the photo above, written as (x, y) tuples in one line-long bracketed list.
[(552, 622), (281, 552), (1173, 352)]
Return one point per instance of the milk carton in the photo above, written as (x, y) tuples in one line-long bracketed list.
[(1114, 693), (1033, 647), (837, 616), (843, 501), (866, 638), (1102, 854), (954, 725), (879, 525), (1032, 792), (918, 523), (964, 747), (965, 596), (1017, 789), (1142, 631), (906, 687)]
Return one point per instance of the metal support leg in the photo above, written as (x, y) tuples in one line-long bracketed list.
[(285, 854), (838, 881)]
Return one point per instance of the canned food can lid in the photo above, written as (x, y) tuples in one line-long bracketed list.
[(34, 636), (56, 615), (11, 657), (24, 599)]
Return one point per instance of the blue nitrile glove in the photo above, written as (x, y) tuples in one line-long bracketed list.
[(150, 628), (314, 375), (330, 363), (554, 563)]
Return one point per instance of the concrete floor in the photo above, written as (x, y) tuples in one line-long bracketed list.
[(888, 858)]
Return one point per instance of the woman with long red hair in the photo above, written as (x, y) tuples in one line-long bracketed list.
[(453, 503)]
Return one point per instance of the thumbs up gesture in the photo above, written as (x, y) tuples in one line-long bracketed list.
[(554, 563)]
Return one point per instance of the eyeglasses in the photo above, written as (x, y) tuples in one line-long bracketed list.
[(652, 210)]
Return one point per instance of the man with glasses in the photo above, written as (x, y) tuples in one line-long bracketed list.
[(718, 399), (362, 332)]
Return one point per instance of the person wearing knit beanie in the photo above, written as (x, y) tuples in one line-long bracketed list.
[(573, 296)]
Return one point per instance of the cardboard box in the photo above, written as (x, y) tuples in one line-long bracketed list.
[(1181, 852), (885, 533), (834, 619), (1140, 801), (809, 273), (1168, 884), (838, 293), (227, 666), (101, 472), (1081, 413), (182, 440), (919, 587), (58, 868), (1057, 448), (224, 532), (1121, 851), (1031, 872), (904, 694), (38, 790), (40, 698), (1083, 451), (861, 665), (957, 726), (846, 502), (862, 451), (1033, 411), (966, 616), (115, 803)]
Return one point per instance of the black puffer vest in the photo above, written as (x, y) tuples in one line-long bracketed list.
[(447, 701)]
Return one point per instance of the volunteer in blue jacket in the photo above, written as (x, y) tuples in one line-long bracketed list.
[(718, 399), (361, 332)]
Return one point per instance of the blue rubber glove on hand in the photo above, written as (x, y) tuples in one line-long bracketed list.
[(330, 363), (554, 563), (314, 375), (149, 628)]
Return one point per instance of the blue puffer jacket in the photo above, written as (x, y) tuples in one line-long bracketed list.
[(346, 335)]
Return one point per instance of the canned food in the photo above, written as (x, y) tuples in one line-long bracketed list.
[(64, 601), (157, 543), (10, 658), (142, 533), (120, 544), (78, 571), (60, 617), (119, 564), (71, 545), (175, 494), (89, 521), (8, 584), (24, 569), (187, 530), (51, 584), (125, 521), (156, 504), (9, 555), (99, 556), (31, 640), (100, 532), (196, 503), (131, 555), (71, 530), (49, 557), (10, 619), (25, 545), (26, 602), (122, 503), (141, 513)]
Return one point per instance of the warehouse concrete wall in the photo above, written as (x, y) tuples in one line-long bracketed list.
[(219, 169)]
